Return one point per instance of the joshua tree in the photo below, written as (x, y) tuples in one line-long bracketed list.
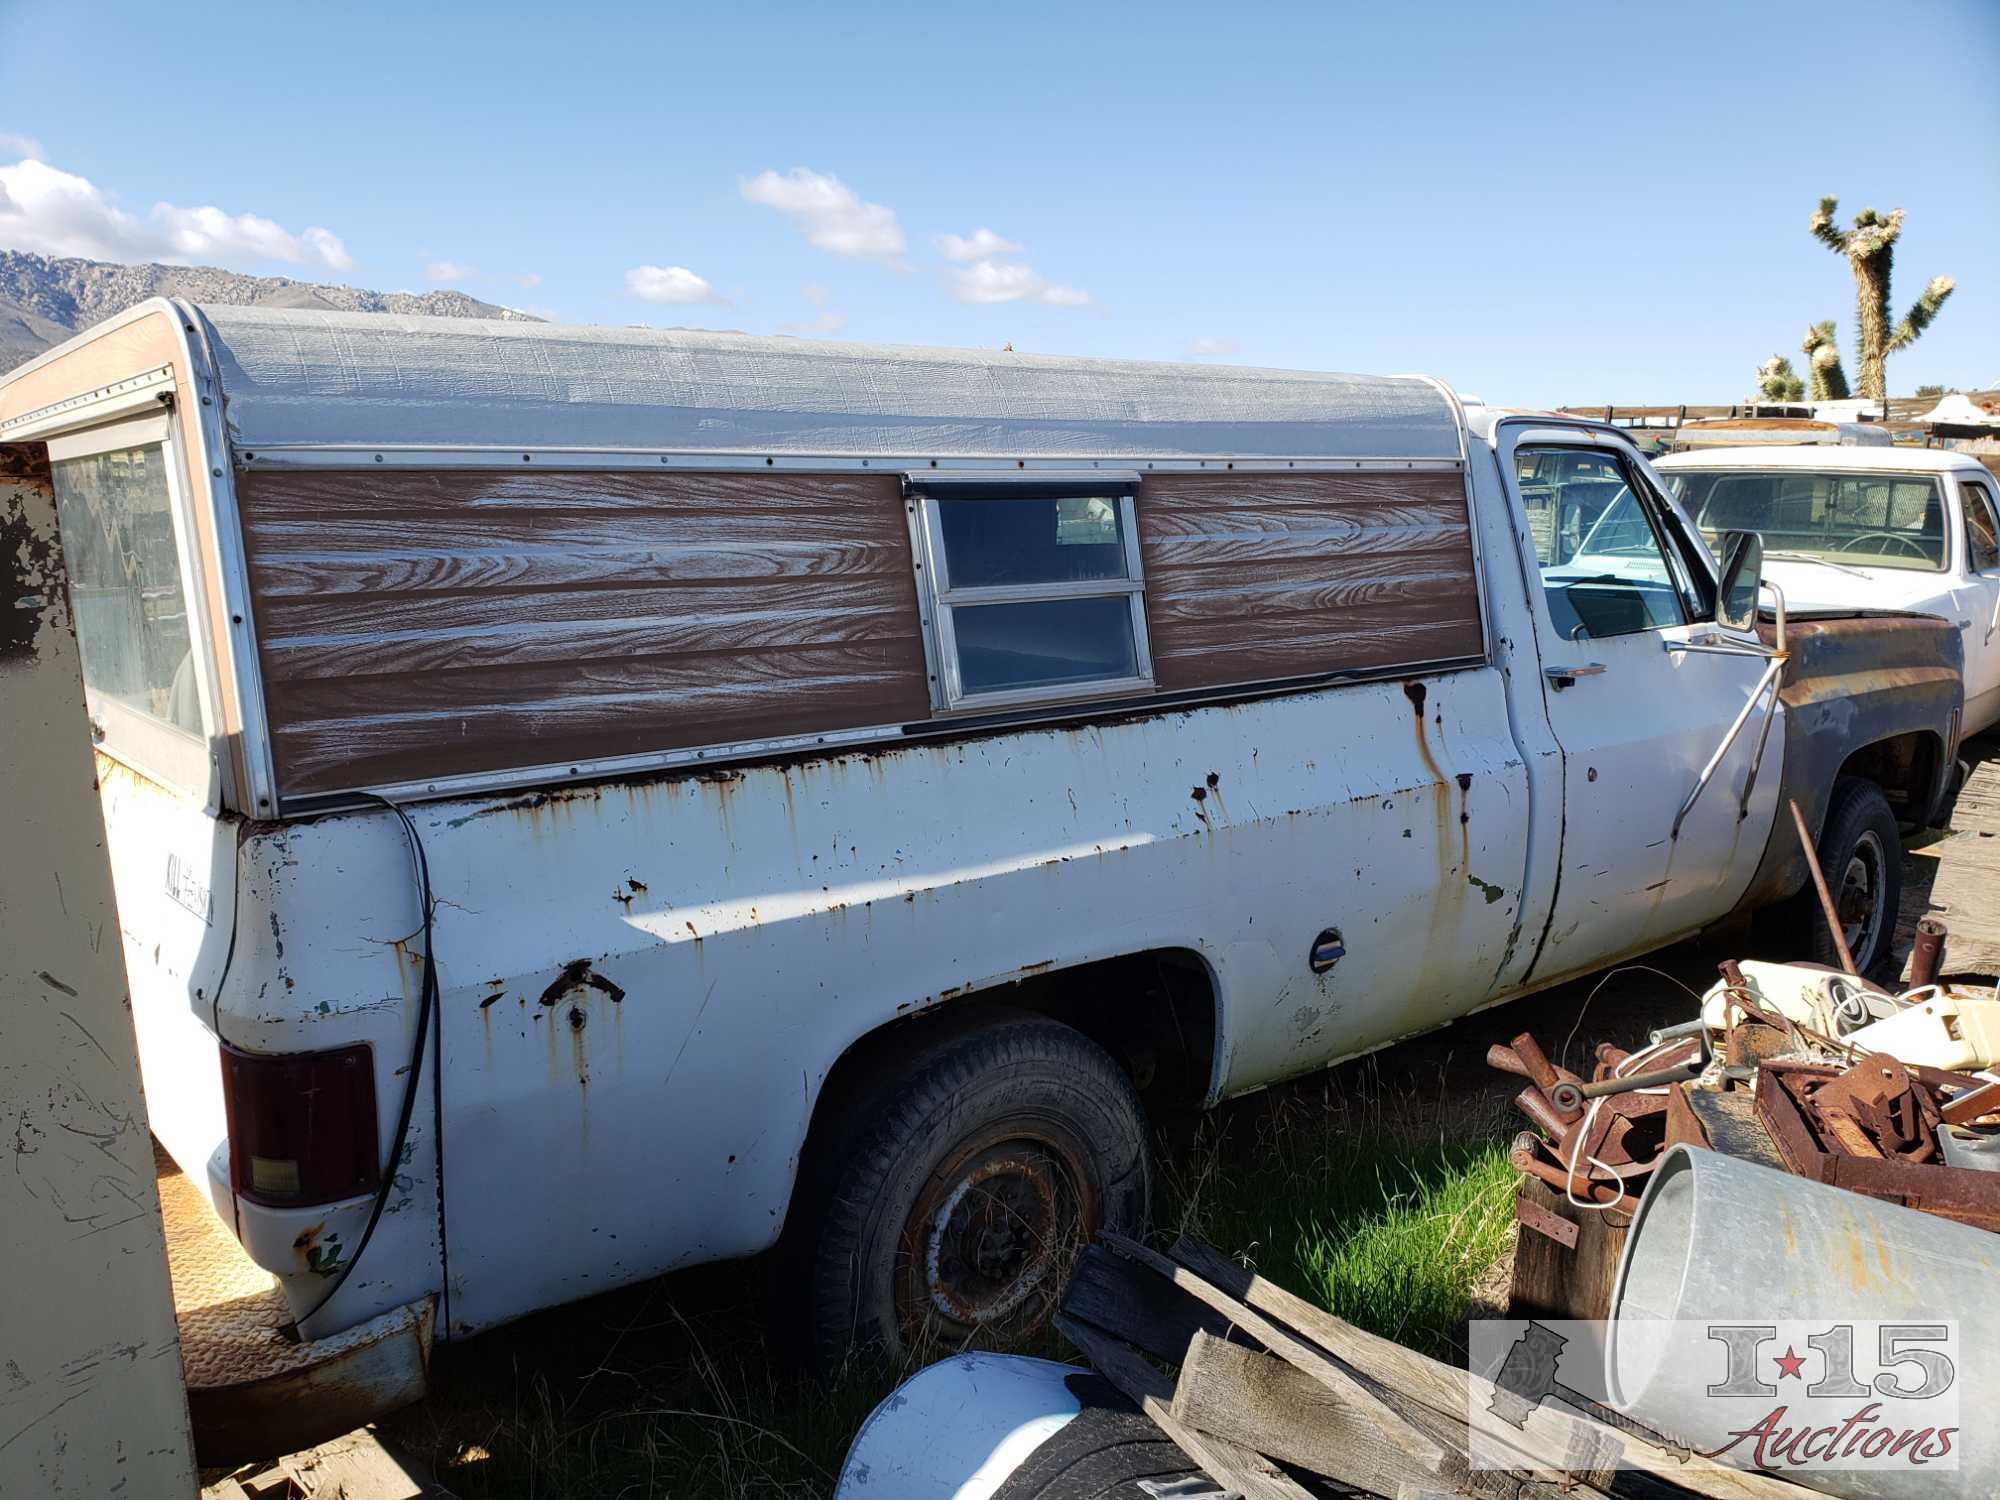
[(1829, 379), (1777, 381), (1870, 248)]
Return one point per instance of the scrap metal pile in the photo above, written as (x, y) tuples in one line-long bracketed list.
[(1891, 1094)]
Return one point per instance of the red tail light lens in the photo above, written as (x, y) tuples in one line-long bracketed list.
[(301, 1125)]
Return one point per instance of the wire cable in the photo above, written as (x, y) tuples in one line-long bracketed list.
[(427, 1012)]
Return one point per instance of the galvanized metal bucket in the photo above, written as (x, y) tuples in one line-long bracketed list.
[(1721, 1241)]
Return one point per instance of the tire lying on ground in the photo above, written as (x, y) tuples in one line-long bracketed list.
[(1861, 853), (957, 1209)]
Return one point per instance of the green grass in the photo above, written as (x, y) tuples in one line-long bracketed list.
[(1392, 1235), (671, 1389)]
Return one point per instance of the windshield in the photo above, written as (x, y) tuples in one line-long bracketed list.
[(1853, 520)]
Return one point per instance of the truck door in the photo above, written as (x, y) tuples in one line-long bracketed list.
[(1623, 592), (1979, 604)]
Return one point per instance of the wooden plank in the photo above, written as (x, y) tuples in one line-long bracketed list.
[(1271, 1408), (1962, 895), (1552, 1280), (1449, 1391), (1368, 1406), (1229, 1464), (355, 1467), (1142, 1309)]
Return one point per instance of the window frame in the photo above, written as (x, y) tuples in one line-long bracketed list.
[(179, 759), (1972, 491), (1685, 569), (937, 598)]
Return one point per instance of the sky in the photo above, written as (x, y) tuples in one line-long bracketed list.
[(1540, 204)]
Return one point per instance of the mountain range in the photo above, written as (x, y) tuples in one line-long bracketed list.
[(44, 300)]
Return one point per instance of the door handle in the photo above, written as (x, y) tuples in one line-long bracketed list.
[(1562, 677)]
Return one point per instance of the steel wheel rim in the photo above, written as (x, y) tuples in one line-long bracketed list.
[(1862, 895), (989, 1240)]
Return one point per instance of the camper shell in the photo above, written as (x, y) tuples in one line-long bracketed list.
[(617, 777)]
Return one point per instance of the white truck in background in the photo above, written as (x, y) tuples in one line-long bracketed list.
[(1866, 528)]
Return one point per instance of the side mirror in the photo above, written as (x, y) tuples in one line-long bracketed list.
[(1742, 575)]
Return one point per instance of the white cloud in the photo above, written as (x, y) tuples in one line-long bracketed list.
[(830, 320), (675, 284), (447, 272), (986, 281), (981, 244), (830, 214), (58, 213), (19, 146), (1210, 346)]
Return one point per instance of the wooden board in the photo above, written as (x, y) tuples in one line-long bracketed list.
[(1253, 577), (1553, 1280), (1965, 892), (419, 624)]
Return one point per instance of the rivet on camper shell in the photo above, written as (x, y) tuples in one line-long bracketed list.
[(378, 458), (236, 619), (217, 473)]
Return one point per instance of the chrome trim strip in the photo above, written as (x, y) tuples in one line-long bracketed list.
[(363, 456)]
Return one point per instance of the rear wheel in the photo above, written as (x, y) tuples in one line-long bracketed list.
[(1862, 856), (960, 1207)]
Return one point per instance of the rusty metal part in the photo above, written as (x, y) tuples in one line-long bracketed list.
[(1927, 955), (1877, 1100), (1609, 1056), (1970, 1106), (1573, 1095), (1529, 1051), (1826, 906), (1545, 1074), (987, 1240), (1952, 1192), (1748, 1043), (1504, 1058), (1555, 1226), (1853, 682), (1533, 1103), (1526, 1157)]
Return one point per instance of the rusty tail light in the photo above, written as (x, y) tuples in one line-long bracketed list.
[(301, 1125)]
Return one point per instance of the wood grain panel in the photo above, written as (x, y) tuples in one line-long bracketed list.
[(421, 624), (1257, 577)]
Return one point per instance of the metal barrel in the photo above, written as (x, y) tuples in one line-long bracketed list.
[(1716, 1240)]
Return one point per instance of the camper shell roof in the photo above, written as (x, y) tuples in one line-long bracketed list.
[(310, 379)]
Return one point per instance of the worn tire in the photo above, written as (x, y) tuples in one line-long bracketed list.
[(958, 1209), (1862, 854)]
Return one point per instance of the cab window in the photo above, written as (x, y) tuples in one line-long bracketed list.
[(1607, 567)]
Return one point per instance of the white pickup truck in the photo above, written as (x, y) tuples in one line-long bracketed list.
[(585, 802), (1866, 528)]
